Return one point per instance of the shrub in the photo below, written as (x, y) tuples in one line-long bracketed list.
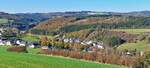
[(144, 61), (18, 49), (105, 56), (74, 54), (147, 39), (113, 41)]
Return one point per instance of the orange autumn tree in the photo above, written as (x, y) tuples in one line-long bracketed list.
[(44, 41)]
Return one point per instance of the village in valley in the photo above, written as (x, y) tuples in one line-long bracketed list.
[(15, 42), (19, 42), (75, 39)]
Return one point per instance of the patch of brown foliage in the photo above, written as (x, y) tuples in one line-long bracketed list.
[(18, 49), (126, 36), (55, 23), (111, 57)]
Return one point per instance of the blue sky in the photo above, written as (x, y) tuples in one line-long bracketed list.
[(19, 6)]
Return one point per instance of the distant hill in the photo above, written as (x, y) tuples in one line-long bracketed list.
[(71, 24), (35, 18), (135, 13)]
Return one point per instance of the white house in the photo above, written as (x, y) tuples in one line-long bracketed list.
[(77, 40), (83, 43), (44, 47), (66, 40), (89, 42), (20, 43), (5, 42), (8, 43), (2, 43), (99, 46), (0, 34), (31, 46), (1, 30), (34, 44)]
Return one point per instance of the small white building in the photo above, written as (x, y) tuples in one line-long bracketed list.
[(5, 42), (99, 46), (44, 47), (83, 43), (87, 42), (1, 43), (31, 46), (0, 34), (77, 40), (66, 40), (20, 43), (8, 43), (1, 30)]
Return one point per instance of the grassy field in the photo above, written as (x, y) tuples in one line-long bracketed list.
[(32, 60), (3, 21), (133, 31), (139, 46), (30, 38), (34, 38)]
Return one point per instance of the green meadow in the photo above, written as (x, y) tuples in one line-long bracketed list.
[(133, 31), (2, 21), (33, 60), (139, 46)]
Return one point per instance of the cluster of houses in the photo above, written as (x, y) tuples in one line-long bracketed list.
[(18, 42), (15, 42), (1, 31), (94, 45), (84, 42)]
